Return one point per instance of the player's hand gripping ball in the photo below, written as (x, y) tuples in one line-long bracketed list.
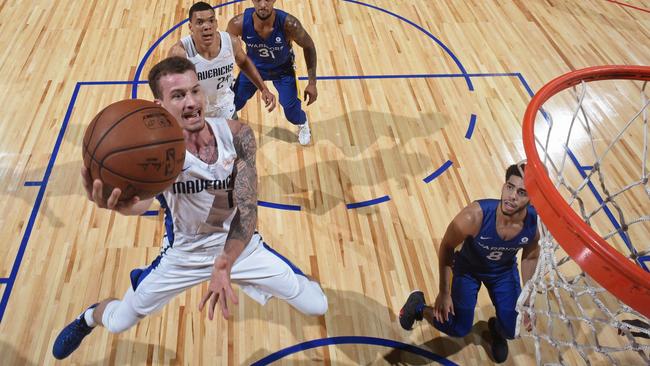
[(134, 145)]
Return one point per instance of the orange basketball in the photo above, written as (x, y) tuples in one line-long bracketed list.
[(134, 145)]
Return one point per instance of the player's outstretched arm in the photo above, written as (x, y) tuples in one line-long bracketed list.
[(236, 25), (295, 32), (243, 224), (177, 50), (246, 65), (245, 190)]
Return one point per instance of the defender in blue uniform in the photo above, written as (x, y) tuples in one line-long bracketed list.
[(492, 232), (268, 34)]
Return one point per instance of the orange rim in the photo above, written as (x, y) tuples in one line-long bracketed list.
[(613, 271)]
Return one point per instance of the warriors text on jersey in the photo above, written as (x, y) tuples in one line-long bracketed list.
[(272, 54), (215, 76), (199, 206), (487, 252)]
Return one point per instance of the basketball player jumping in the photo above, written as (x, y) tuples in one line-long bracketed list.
[(492, 232), (214, 54), (210, 219), (268, 34)]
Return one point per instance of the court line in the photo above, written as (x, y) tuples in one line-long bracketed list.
[(525, 84), (151, 213), (371, 202), (438, 171), (374, 341), (344, 77), (4, 280), (470, 128), (421, 29), (279, 206), (407, 76), (114, 82), (33, 183), (628, 5), (37, 204)]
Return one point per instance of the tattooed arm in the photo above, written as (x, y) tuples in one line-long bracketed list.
[(295, 32), (243, 224), (245, 221)]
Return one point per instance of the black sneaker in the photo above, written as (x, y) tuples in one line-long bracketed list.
[(499, 343), (412, 310)]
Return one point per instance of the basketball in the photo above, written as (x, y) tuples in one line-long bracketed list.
[(134, 145)]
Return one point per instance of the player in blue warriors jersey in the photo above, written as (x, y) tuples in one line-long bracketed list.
[(492, 232), (269, 34)]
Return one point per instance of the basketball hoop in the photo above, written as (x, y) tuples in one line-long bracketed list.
[(587, 177)]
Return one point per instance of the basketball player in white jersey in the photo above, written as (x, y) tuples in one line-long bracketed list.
[(210, 219), (214, 54)]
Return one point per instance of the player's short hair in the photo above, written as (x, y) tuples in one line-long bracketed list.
[(516, 169), (200, 6), (170, 65)]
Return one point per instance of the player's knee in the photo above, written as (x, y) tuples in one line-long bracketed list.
[(457, 331), (311, 300), (114, 328), (117, 319), (319, 307), (454, 327), (240, 103), (462, 331)]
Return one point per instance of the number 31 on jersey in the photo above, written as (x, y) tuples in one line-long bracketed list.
[(264, 52)]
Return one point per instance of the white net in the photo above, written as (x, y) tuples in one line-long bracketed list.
[(593, 141)]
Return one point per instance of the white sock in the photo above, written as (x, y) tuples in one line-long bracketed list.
[(88, 317)]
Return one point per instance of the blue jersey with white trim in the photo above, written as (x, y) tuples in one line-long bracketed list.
[(273, 53), (487, 252)]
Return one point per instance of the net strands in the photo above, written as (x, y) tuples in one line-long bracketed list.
[(593, 142)]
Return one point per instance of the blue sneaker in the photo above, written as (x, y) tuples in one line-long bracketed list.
[(71, 336)]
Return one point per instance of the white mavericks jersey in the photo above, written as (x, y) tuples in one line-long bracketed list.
[(216, 76), (199, 206)]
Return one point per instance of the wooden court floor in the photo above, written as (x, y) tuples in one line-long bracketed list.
[(419, 112)]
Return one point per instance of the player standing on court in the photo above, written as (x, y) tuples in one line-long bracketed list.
[(210, 220), (268, 34), (214, 54), (492, 232)]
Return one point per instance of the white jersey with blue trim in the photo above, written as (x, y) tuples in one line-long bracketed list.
[(199, 206), (216, 76)]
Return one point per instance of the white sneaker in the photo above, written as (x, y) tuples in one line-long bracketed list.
[(304, 134)]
